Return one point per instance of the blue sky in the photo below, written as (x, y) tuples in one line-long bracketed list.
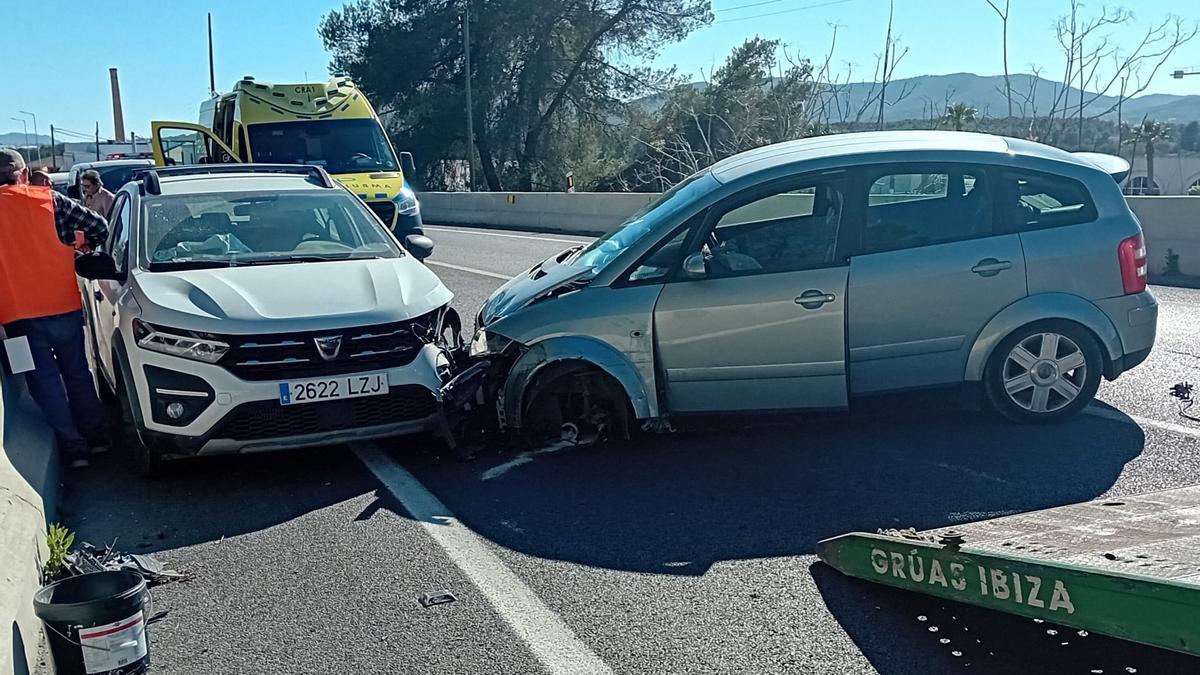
[(160, 47)]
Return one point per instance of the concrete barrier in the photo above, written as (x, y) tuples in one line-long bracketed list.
[(1169, 222), (589, 213), (28, 495)]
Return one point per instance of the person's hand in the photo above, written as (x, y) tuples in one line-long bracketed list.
[(81, 244)]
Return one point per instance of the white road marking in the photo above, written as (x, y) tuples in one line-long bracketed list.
[(1118, 416), (552, 642), (472, 270), (520, 460), (490, 233)]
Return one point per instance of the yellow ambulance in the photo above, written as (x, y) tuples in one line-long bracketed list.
[(326, 124)]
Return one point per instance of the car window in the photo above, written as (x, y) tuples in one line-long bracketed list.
[(119, 234), (260, 227), (1038, 200), (115, 178), (789, 230), (907, 209)]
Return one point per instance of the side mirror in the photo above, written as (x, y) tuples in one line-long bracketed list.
[(97, 266), (694, 267), (419, 245), (409, 167)]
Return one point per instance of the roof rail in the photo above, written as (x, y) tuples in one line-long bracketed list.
[(316, 173)]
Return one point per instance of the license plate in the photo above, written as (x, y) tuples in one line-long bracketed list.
[(332, 388)]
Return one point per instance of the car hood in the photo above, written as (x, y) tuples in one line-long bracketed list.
[(542, 280), (290, 297)]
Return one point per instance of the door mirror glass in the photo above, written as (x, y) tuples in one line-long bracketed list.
[(97, 266), (419, 245), (693, 266)]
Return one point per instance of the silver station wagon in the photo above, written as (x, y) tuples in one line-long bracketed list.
[(801, 275)]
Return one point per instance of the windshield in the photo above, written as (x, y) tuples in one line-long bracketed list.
[(604, 250), (246, 228), (340, 146)]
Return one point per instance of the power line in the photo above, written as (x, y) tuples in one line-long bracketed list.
[(783, 11), (750, 4)]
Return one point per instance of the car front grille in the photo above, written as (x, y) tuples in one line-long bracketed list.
[(268, 419), (350, 350), (385, 210)]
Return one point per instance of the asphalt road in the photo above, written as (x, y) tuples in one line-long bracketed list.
[(687, 553)]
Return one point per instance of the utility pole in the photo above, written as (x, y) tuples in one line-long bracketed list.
[(53, 150), (97, 141), (212, 75), (470, 109), (37, 142)]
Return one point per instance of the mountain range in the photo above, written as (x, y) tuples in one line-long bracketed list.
[(17, 138), (986, 93)]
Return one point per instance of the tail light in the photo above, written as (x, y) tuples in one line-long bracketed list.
[(1132, 254)]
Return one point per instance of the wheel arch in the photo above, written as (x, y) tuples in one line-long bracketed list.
[(572, 349), (1043, 307), (123, 377)]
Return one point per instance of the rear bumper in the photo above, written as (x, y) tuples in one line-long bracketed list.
[(1136, 320)]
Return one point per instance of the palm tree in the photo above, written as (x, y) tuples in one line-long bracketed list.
[(1148, 133), (959, 116)]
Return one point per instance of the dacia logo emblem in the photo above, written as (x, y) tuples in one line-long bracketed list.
[(328, 347)]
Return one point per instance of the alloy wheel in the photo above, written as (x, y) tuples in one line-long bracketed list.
[(1044, 372)]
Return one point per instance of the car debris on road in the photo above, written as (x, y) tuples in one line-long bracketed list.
[(89, 558)]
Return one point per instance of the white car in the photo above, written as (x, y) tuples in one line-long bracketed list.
[(254, 307)]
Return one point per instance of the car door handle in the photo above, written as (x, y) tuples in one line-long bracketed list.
[(98, 296), (814, 299), (990, 267)]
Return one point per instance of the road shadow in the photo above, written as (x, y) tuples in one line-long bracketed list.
[(675, 504), (205, 499), (905, 633)]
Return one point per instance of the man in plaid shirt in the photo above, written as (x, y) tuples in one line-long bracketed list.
[(71, 216), (39, 301)]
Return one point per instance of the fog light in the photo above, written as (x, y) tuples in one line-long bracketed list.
[(175, 410)]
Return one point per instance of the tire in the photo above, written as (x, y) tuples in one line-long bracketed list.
[(1044, 372), (576, 404), (145, 457)]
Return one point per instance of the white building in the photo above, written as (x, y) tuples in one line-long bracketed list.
[(1173, 174)]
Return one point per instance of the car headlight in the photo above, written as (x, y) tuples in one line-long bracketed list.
[(184, 344), (406, 202), (487, 344)]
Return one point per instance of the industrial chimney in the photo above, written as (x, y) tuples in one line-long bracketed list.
[(118, 117)]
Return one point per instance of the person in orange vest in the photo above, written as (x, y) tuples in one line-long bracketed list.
[(40, 301)]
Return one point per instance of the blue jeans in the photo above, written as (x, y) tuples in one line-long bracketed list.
[(61, 383)]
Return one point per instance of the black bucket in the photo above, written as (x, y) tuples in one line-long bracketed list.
[(95, 623)]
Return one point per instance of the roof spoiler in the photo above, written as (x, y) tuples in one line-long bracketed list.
[(1112, 165)]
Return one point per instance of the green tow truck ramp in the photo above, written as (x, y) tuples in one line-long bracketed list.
[(1126, 567)]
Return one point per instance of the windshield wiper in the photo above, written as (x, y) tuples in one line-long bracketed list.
[(304, 259), (165, 265)]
